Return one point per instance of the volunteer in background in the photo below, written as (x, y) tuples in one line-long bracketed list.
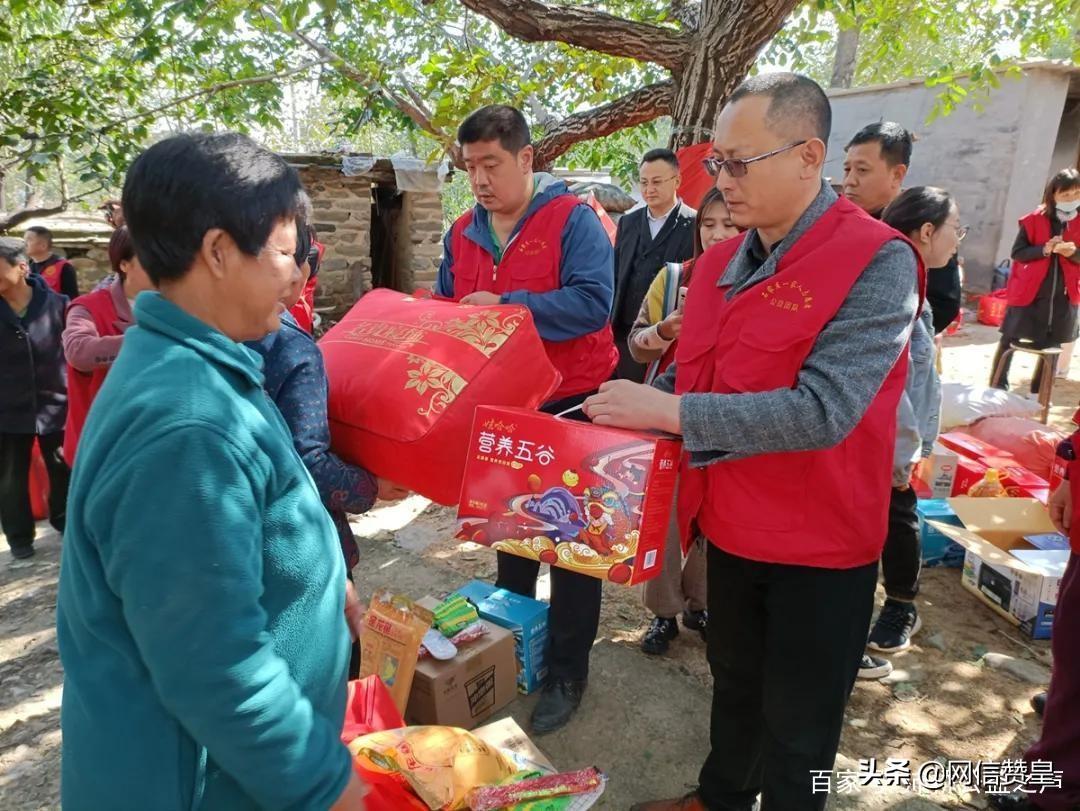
[(1059, 743), (529, 241), (303, 309), (201, 609), (929, 217), (96, 323), (57, 271), (295, 379), (660, 231), (33, 396), (785, 387), (1044, 285), (680, 586)]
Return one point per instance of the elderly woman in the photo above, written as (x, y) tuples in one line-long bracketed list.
[(202, 591)]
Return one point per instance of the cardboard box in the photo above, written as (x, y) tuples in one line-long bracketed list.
[(937, 548), (1016, 579), (968, 473), (590, 499), (525, 618), (972, 448), (937, 473), (468, 689)]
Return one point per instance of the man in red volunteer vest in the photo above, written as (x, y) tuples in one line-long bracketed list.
[(57, 271), (785, 387), (529, 241)]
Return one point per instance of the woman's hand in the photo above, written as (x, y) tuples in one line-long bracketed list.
[(388, 491), (1051, 245), (354, 611), (1060, 507), (1066, 249), (670, 327)]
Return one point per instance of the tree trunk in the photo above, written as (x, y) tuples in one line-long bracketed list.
[(724, 50), (847, 51), (31, 195)]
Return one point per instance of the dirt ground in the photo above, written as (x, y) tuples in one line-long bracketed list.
[(644, 720)]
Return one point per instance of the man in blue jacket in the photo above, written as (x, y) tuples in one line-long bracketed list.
[(529, 241)]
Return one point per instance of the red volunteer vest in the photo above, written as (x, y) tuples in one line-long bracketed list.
[(533, 262), (51, 273), (304, 309), (824, 508), (83, 386), (1026, 277)]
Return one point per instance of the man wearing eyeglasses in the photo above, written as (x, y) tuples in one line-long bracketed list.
[(785, 387), (660, 231)]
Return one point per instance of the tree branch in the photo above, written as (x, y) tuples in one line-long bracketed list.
[(416, 114), (636, 107), (533, 21), (9, 221)]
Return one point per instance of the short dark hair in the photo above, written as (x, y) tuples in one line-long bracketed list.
[(121, 249), (917, 206), (797, 104), (665, 155), (499, 122), (1065, 180), (12, 250), (894, 140), (183, 186), (41, 231)]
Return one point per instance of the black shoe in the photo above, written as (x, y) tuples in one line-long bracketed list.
[(557, 705), (696, 621), (1038, 703), (659, 636), (871, 667), (22, 552), (1013, 802), (894, 627)]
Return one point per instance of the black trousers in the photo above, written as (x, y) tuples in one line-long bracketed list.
[(901, 560), (784, 644), (574, 616), (16, 517)]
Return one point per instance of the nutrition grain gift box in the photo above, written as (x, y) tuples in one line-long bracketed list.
[(592, 499)]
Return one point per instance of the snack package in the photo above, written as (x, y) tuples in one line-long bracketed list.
[(441, 764), (390, 642), (535, 791)]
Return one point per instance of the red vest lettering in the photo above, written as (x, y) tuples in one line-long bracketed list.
[(826, 508), (1027, 277), (84, 386), (533, 262)]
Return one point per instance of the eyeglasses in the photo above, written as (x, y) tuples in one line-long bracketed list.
[(655, 184), (736, 167), (961, 232)]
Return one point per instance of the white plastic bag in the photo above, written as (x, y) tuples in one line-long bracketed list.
[(963, 404)]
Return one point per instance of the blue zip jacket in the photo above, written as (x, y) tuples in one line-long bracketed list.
[(200, 615), (583, 304)]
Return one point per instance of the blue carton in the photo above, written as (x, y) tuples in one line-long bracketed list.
[(526, 618), (937, 549)]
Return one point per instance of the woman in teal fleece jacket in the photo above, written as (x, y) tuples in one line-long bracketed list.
[(201, 607)]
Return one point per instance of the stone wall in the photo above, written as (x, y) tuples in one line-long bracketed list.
[(341, 211), (90, 260), (418, 238)]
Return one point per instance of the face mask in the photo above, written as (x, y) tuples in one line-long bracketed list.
[(1066, 211)]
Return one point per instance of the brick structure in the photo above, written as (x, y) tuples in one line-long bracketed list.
[(83, 239), (375, 235)]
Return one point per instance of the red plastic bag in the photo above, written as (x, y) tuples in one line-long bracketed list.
[(39, 484), (407, 374), (992, 308), (370, 708)]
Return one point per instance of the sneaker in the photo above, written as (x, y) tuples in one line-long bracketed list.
[(894, 627), (22, 552), (871, 667), (696, 621), (659, 636), (557, 705)]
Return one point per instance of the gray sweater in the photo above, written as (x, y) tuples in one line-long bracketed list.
[(839, 379)]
